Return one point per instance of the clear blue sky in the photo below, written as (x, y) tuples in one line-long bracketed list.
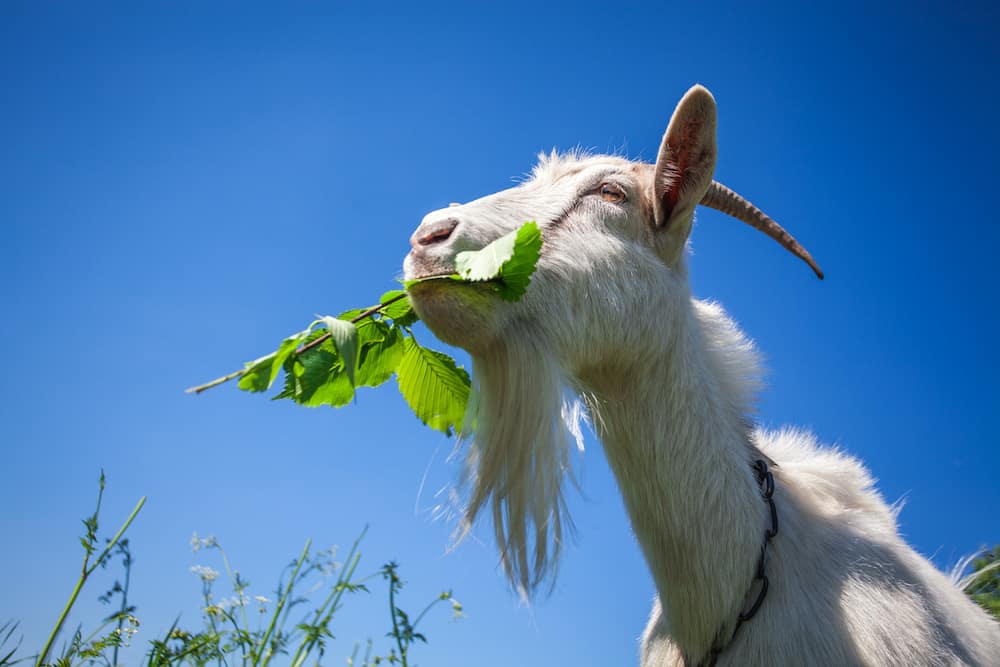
[(182, 184)]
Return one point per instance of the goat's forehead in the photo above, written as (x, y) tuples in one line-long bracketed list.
[(554, 167)]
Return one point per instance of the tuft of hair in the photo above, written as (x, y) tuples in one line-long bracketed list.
[(550, 166), (831, 483), (517, 437)]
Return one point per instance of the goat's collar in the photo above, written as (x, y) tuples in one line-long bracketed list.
[(766, 481)]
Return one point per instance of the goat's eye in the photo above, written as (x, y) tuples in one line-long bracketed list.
[(612, 192)]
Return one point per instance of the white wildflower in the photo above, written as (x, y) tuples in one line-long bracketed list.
[(207, 574), (232, 602)]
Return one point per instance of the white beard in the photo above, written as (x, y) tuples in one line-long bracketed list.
[(519, 426)]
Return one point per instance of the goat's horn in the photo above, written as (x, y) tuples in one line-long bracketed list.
[(723, 199)]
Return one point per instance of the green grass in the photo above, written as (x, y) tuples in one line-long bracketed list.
[(292, 628)]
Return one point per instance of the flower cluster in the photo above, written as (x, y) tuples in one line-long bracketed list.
[(203, 543), (207, 574)]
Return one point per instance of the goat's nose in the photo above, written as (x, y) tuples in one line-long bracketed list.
[(430, 233)]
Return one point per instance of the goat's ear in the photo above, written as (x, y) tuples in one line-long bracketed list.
[(685, 164)]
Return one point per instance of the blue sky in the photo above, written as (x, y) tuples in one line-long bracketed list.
[(182, 184)]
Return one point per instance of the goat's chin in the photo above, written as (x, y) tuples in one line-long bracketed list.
[(459, 314)]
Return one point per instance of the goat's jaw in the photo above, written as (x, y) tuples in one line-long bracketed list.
[(459, 314)]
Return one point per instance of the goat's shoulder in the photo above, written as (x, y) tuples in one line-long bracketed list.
[(845, 580), (827, 482)]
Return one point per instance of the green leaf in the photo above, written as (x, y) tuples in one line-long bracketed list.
[(287, 348), (336, 391), (407, 320), (317, 377), (515, 273), (485, 264), (349, 315), (400, 312), (435, 388), (397, 308), (345, 338), (261, 372), (381, 352), (257, 374)]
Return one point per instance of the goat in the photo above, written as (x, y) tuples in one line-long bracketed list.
[(668, 381)]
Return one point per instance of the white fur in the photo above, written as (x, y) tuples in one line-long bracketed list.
[(669, 382)]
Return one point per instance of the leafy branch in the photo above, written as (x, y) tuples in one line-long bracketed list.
[(395, 297), (326, 362)]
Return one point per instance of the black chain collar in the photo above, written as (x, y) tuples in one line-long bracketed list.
[(766, 481)]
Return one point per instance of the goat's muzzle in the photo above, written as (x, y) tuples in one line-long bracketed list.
[(433, 232)]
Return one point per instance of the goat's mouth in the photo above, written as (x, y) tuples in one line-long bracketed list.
[(443, 282), (421, 278), (422, 266), (457, 312)]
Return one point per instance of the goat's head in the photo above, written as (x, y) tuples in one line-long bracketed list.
[(614, 235)]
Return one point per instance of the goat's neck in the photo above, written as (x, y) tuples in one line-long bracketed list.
[(677, 440)]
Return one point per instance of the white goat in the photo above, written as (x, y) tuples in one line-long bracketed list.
[(668, 381)]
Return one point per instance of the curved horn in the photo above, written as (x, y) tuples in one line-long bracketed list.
[(723, 199)]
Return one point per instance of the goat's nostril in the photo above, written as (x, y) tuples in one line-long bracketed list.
[(437, 232)]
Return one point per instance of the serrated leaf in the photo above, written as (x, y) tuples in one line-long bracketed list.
[(287, 349), (515, 273), (291, 386), (435, 388), (257, 374), (261, 372), (345, 338), (397, 310), (407, 320), (485, 264), (381, 352), (349, 315), (317, 377), (337, 391), (390, 295)]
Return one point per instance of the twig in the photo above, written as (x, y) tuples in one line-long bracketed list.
[(216, 382), (305, 348)]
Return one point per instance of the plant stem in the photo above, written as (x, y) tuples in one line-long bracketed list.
[(392, 612), (433, 603), (124, 605), (305, 348), (83, 578), (281, 604), (236, 588), (323, 616)]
